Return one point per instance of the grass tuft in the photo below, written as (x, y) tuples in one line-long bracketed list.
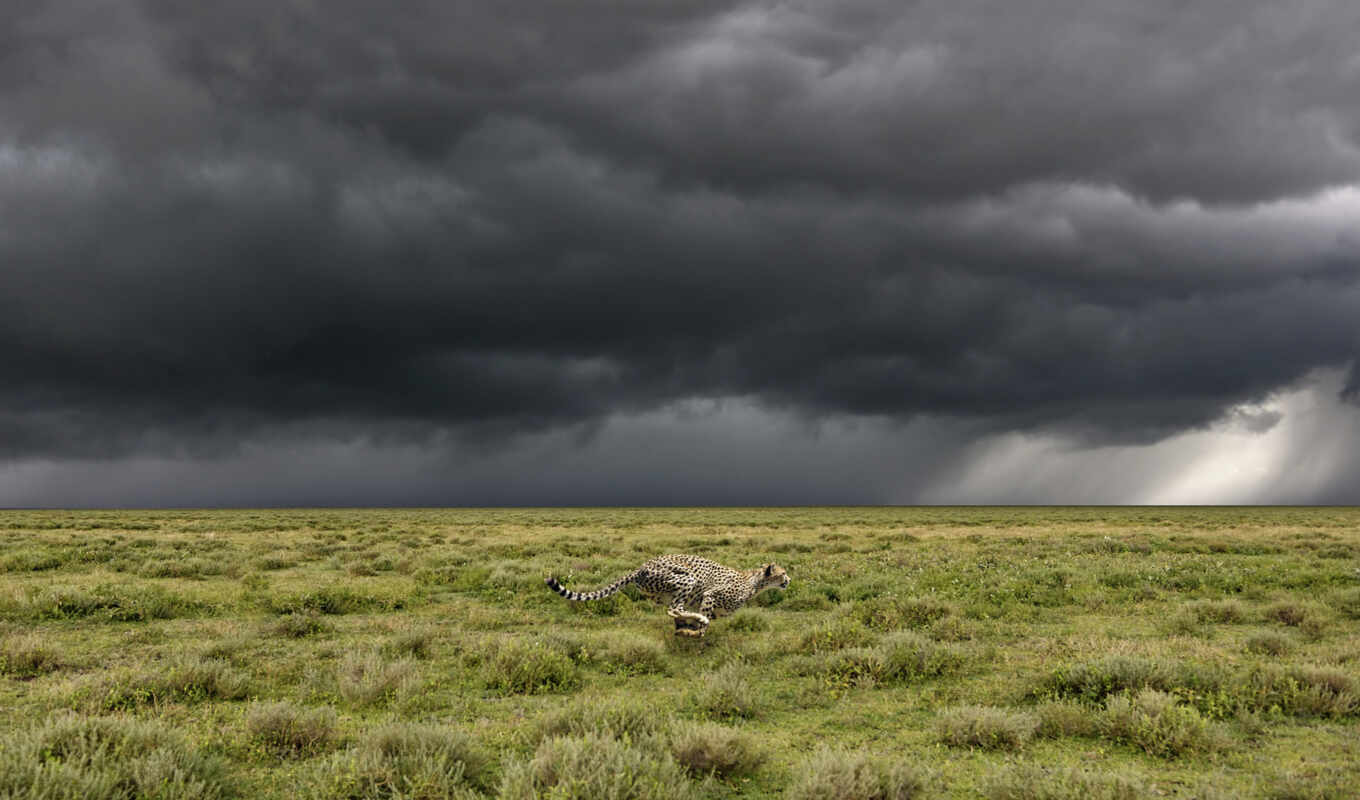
[(183, 681), (108, 758), (709, 749), (607, 716), (832, 774), (369, 679), (726, 694), (298, 625), (531, 668), (986, 727), (287, 731), (1154, 722), (1029, 782), (596, 767), (26, 656), (407, 760)]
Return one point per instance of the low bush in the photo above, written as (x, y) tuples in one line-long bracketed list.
[(1347, 602), (835, 634), (107, 758), (298, 625), (369, 679), (335, 599), (413, 643), (407, 760), (986, 727), (749, 620), (709, 749), (1094, 681), (531, 668), (183, 681), (112, 602), (1154, 722), (725, 694), (890, 613), (1030, 782), (288, 731), (632, 654), (596, 767), (832, 774), (1287, 613), (1223, 612), (1058, 719), (30, 560), (26, 656), (607, 716), (186, 568), (1270, 643), (908, 656)]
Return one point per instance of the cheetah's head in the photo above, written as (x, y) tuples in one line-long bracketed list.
[(774, 577)]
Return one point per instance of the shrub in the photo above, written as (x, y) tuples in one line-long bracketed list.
[(1096, 680), (531, 668), (336, 599), (749, 620), (986, 727), (1036, 783), (1153, 722), (856, 666), (415, 644), (185, 681), (595, 767), (1287, 613), (298, 625), (1272, 688), (854, 775), (834, 634), (407, 760), (909, 656), (273, 561), (1057, 719), (29, 560), (1347, 602), (369, 679), (27, 657), (1219, 611), (1330, 785), (107, 758), (726, 694), (117, 603), (606, 716), (630, 653), (708, 749), (184, 568), (1270, 643), (288, 731)]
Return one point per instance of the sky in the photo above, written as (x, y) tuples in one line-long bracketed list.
[(590, 252)]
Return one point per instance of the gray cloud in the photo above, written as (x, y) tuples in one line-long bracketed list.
[(477, 223)]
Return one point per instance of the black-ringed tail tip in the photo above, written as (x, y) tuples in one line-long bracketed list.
[(695, 589)]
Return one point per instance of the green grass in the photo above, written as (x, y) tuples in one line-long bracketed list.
[(919, 652)]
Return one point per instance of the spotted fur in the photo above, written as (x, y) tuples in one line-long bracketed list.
[(682, 581)]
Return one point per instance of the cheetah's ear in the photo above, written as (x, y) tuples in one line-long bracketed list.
[(769, 570)]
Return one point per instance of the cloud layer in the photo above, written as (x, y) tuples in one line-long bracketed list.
[(479, 225)]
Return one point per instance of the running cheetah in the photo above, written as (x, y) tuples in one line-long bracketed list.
[(681, 580)]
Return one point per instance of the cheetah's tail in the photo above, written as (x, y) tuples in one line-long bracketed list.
[(578, 597)]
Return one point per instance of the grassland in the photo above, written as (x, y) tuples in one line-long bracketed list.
[(982, 652)]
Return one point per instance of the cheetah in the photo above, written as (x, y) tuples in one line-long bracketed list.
[(683, 580)]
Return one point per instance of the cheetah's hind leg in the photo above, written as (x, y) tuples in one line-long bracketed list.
[(687, 623), (690, 624)]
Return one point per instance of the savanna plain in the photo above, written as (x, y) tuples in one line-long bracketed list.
[(1002, 653)]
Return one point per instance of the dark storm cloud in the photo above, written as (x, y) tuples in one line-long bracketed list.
[(219, 222)]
